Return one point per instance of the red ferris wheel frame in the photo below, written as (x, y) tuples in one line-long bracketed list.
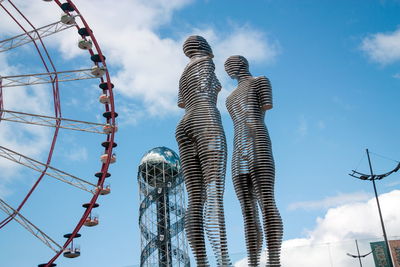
[(35, 36)]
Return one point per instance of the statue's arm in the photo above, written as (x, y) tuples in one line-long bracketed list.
[(264, 92), (207, 76), (181, 102)]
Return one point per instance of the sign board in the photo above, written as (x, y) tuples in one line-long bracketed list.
[(380, 253)]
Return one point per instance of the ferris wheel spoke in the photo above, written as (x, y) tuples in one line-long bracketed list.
[(43, 78), (1, 99), (41, 120), (36, 34), (15, 215), (48, 170)]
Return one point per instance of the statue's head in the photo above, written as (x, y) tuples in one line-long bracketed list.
[(196, 45), (236, 65)]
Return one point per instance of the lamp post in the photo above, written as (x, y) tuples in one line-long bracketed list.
[(372, 177), (379, 209), (358, 254)]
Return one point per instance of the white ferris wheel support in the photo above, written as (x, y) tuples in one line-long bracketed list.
[(48, 170), (33, 229), (48, 77), (37, 34), (49, 121)]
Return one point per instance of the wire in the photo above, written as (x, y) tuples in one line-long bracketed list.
[(359, 163), (376, 154)]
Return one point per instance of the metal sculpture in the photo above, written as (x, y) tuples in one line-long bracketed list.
[(253, 169), (162, 210), (202, 148)]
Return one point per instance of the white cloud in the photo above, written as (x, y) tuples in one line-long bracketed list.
[(237, 40), (131, 24), (329, 202), (321, 125), (26, 139), (145, 66), (334, 234), (383, 48), (149, 66), (396, 183), (341, 103), (302, 128), (246, 41), (3, 191), (77, 154), (131, 114)]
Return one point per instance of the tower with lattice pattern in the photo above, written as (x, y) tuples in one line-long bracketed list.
[(162, 210)]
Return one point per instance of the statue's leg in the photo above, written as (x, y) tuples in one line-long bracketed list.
[(253, 231), (196, 197), (212, 153), (264, 180)]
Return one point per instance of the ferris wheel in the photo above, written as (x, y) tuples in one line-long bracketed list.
[(54, 78)]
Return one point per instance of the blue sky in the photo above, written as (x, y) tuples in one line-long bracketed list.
[(334, 68)]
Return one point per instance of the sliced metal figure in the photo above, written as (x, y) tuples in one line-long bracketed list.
[(253, 169), (202, 148)]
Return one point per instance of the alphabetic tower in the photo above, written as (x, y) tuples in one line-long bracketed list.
[(162, 210)]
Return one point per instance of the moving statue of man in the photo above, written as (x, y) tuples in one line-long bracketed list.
[(253, 169), (202, 148)]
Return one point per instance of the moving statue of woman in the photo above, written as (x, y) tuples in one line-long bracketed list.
[(253, 169), (202, 148)]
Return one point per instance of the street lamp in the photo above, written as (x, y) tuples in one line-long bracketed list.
[(372, 177), (358, 254)]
